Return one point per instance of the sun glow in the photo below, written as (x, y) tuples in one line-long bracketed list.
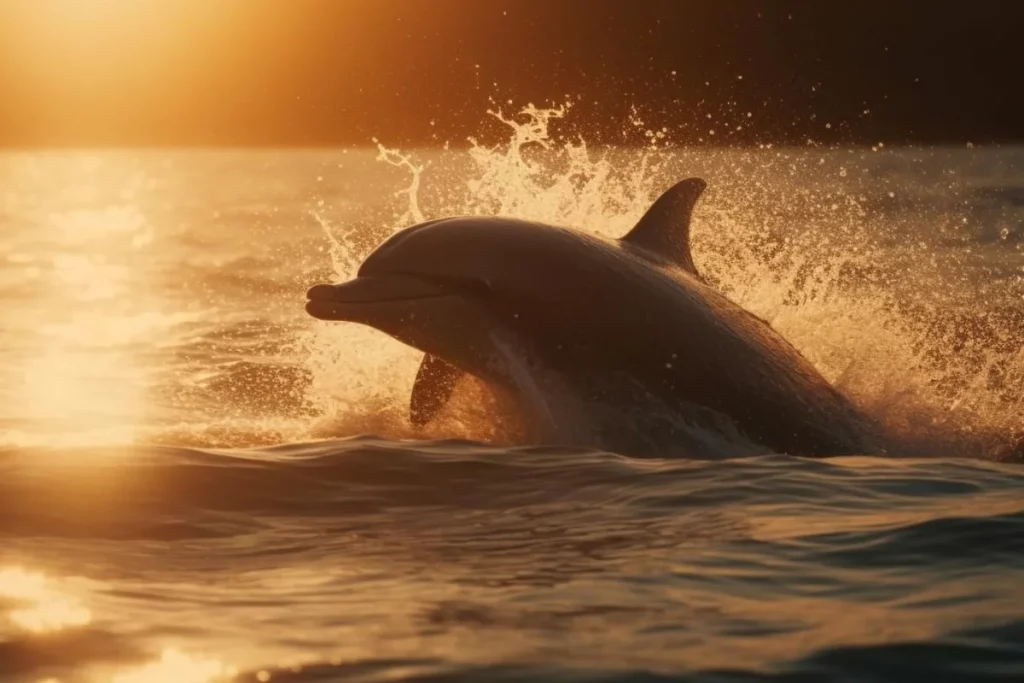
[(80, 42), (100, 34), (100, 70)]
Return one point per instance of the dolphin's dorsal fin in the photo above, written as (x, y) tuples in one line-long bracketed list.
[(665, 228), (432, 389)]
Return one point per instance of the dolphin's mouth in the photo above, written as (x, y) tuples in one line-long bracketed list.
[(340, 302)]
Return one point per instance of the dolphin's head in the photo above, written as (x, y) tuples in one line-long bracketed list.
[(428, 267), (445, 286)]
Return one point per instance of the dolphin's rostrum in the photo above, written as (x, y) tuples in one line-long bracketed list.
[(555, 318)]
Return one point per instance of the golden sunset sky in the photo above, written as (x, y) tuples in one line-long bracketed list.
[(309, 72)]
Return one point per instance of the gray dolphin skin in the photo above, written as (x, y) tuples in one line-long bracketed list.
[(565, 323)]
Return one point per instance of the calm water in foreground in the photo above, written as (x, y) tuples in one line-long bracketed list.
[(186, 494)]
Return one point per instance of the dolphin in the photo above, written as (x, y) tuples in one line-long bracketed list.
[(541, 313)]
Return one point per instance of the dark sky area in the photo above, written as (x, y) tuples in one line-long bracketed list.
[(324, 72)]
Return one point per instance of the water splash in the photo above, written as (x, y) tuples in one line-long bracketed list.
[(413, 214), (529, 175), (812, 240), (533, 176)]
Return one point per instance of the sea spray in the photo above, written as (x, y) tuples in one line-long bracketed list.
[(805, 238)]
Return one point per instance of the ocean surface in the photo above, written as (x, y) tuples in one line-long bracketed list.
[(200, 483)]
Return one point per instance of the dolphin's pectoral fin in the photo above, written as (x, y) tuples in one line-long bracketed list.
[(433, 387), (665, 228)]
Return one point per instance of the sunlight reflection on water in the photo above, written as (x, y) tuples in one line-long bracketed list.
[(177, 667), (40, 607), (88, 314)]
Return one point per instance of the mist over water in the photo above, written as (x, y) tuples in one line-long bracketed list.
[(188, 492)]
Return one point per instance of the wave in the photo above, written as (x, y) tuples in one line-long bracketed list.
[(313, 546), (368, 475)]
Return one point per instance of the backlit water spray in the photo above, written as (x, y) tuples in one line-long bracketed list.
[(812, 240)]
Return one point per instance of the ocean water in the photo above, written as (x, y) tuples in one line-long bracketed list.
[(200, 483)]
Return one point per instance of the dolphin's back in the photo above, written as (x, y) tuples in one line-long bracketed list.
[(685, 341)]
